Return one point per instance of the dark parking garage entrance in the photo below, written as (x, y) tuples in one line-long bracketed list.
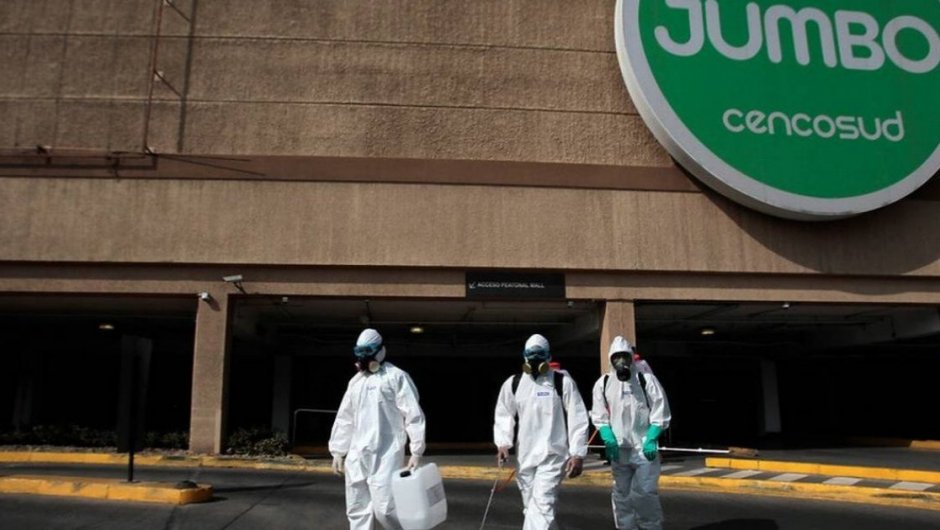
[(780, 374), (61, 373), (743, 374), (292, 358), (736, 373)]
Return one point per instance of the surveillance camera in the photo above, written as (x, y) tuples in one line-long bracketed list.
[(233, 278), (205, 297)]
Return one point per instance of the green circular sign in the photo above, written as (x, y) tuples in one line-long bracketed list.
[(806, 109)]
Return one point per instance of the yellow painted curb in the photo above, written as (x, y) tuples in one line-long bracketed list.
[(474, 472), (244, 463), (42, 457), (930, 445), (776, 466), (827, 492), (104, 489), (75, 458), (588, 478)]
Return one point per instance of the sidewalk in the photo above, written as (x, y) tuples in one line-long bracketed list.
[(843, 483), (886, 476)]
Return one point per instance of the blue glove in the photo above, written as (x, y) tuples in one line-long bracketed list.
[(650, 447), (611, 447)]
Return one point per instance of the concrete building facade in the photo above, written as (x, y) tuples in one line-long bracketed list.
[(352, 150)]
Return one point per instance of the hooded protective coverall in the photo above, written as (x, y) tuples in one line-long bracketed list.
[(635, 495), (544, 443), (377, 411)]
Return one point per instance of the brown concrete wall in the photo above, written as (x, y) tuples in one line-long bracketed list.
[(523, 80), (423, 225), (188, 280), (517, 81)]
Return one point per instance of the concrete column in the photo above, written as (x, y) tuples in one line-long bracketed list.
[(280, 402), (617, 318), (23, 405), (210, 375), (771, 398), (25, 389)]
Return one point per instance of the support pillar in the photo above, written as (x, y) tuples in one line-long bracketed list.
[(771, 398), (617, 318), (210, 375), (280, 402), (25, 390)]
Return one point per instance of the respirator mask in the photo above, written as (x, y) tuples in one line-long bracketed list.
[(621, 362), (369, 357), (536, 361)]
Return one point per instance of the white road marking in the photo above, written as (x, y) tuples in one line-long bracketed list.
[(911, 486), (742, 474), (842, 481), (694, 472), (788, 477)]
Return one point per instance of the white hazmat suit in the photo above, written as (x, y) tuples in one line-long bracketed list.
[(545, 444), (377, 412), (635, 495)]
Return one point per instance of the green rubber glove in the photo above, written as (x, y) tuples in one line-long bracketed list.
[(611, 447), (650, 447)]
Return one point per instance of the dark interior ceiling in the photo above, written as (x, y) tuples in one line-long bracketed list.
[(460, 321), (444, 322), (125, 314)]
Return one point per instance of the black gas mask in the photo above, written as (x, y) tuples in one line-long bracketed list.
[(622, 361), (366, 360), (536, 361)]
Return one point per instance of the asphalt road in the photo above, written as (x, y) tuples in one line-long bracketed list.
[(262, 499)]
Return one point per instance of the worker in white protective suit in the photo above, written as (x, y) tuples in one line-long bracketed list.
[(630, 411), (368, 440), (547, 447)]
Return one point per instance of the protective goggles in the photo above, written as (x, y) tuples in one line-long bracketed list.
[(536, 353), (367, 350)]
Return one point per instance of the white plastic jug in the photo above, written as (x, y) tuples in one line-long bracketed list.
[(420, 502)]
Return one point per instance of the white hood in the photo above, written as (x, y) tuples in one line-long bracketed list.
[(536, 341), (371, 336), (620, 344)]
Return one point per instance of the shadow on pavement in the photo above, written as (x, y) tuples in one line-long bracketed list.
[(263, 488)]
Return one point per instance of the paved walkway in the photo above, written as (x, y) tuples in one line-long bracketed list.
[(700, 469), (844, 475)]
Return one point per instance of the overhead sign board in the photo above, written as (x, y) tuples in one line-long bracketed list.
[(515, 285), (805, 109)]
